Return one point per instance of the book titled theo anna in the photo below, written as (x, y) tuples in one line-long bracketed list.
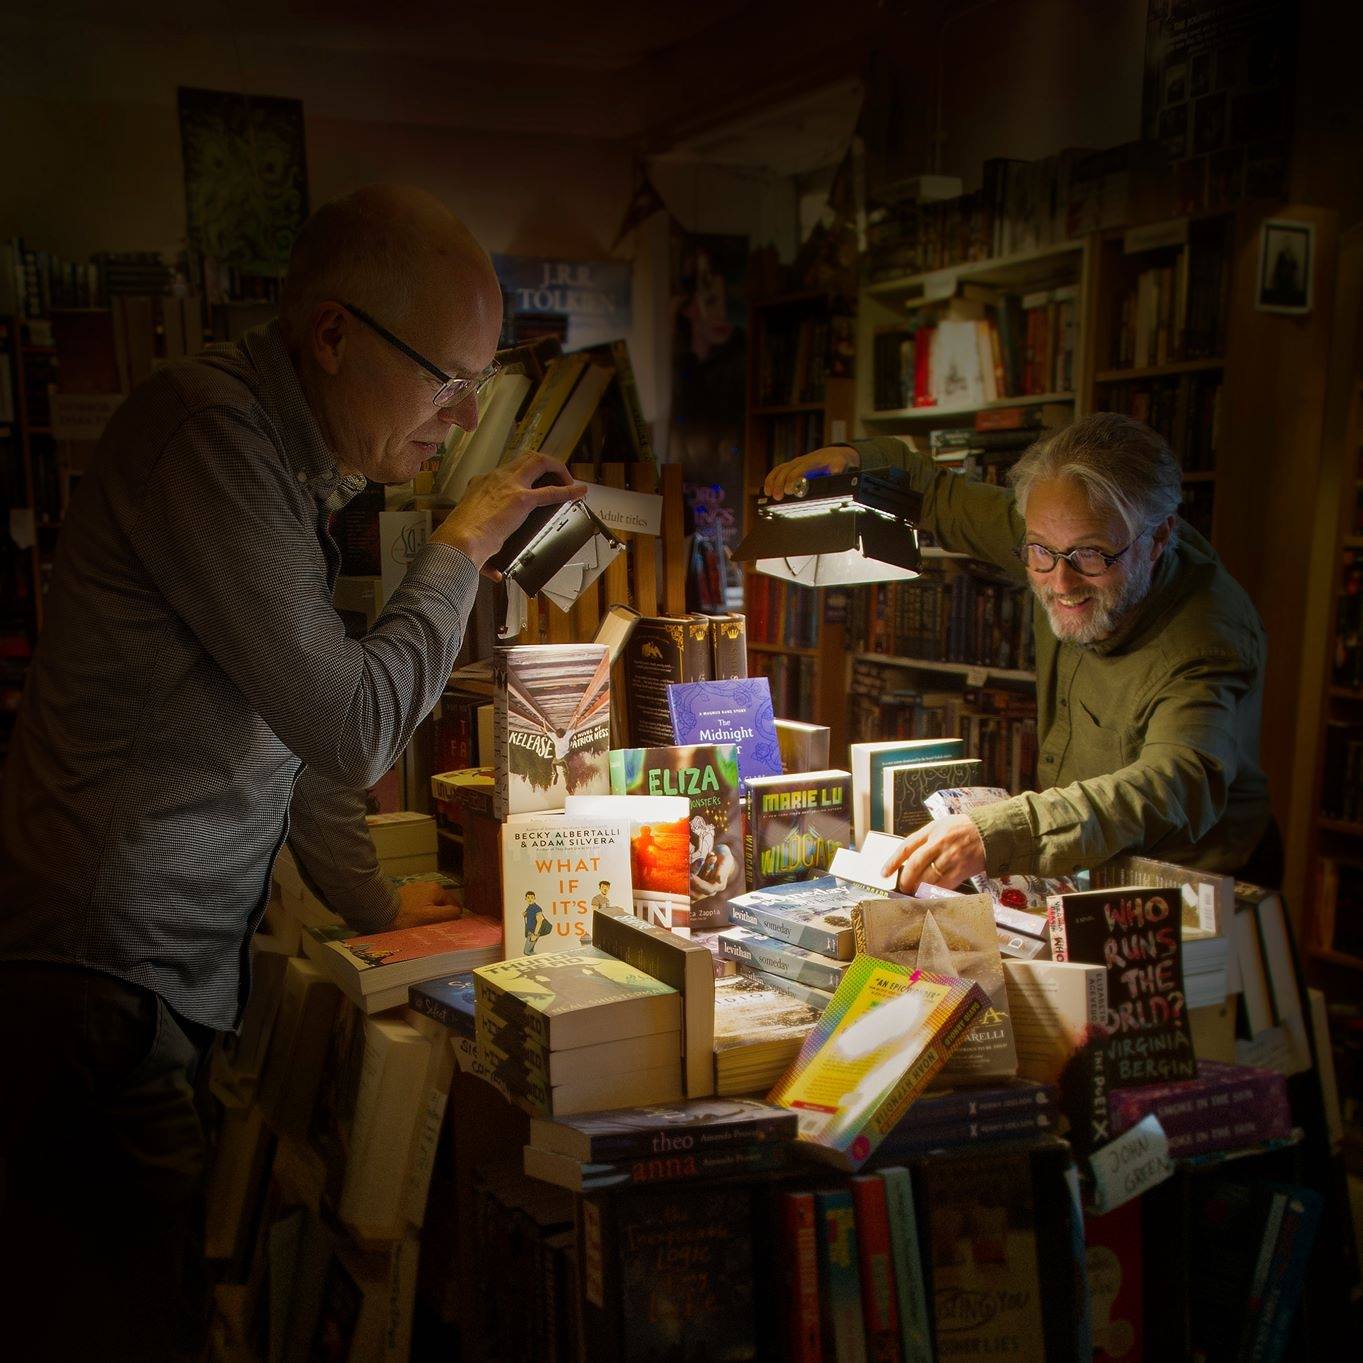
[(736, 711)]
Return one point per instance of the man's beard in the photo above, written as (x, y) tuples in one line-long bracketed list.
[(1111, 603)]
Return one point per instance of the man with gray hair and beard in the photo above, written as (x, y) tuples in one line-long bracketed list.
[(195, 699), (1149, 660)]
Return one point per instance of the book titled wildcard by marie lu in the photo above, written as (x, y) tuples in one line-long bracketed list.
[(736, 711), (795, 824)]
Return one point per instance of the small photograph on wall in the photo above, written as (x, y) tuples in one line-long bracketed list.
[(1286, 261), (246, 176)]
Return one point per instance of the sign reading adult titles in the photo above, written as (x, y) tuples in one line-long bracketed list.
[(592, 297)]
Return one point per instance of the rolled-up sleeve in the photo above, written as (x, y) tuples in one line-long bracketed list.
[(218, 534)]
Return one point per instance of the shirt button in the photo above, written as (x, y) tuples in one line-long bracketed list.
[(1064, 705), (302, 477), (1048, 760)]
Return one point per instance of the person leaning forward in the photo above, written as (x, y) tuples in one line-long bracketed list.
[(193, 680), (1149, 658)]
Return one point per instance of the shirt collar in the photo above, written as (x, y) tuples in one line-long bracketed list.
[(310, 459), (1150, 610)]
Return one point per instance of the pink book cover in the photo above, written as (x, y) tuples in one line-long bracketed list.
[(470, 933)]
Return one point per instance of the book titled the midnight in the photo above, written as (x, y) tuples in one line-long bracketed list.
[(795, 824), (707, 775), (736, 711), (1136, 933), (551, 725)]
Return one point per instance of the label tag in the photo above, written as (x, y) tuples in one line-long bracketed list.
[(640, 513), (1134, 1163)]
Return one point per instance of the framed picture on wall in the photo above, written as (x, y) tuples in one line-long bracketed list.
[(1287, 255)]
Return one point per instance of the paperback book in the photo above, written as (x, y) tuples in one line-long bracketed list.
[(817, 999), (781, 958), (706, 774), (880, 1043), (796, 823), (735, 1161), (758, 1033), (952, 937), (1058, 1008), (555, 871), (736, 711), (551, 725), (814, 914)]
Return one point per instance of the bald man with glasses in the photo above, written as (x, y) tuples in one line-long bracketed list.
[(193, 701), (1149, 657)]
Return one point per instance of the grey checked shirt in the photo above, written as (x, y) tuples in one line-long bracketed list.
[(191, 666)]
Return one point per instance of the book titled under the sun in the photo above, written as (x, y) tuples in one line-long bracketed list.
[(886, 1034)]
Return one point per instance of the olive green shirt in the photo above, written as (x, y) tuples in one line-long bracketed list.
[(1148, 742)]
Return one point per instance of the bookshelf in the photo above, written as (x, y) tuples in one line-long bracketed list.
[(800, 396)]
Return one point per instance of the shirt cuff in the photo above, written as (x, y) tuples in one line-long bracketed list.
[(446, 570), (371, 907), (1009, 840)]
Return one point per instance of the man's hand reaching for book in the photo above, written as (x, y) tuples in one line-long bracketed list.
[(425, 901), (943, 852)]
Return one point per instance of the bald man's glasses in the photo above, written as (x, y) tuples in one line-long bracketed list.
[(453, 388)]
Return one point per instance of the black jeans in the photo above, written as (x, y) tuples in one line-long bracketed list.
[(102, 1158)]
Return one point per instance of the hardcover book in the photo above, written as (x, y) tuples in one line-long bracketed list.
[(800, 1277), (1058, 1007), (884, 1038), (905, 785), (729, 646), (692, 1127), (660, 651), (737, 711), (840, 1274), (660, 852), (555, 871), (575, 998), (804, 747), (551, 725), (796, 822), (869, 759), (1135, 933), (957, 937), (780, 958), (706, 774), (815, 914)]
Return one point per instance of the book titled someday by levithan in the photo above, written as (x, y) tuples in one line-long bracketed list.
[(737, 711)]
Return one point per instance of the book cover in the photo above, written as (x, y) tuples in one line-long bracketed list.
[(685, 966), (662, 650), (840, 1277), (706, 774), (878, 1045), (692, 1127), (659, 850), (731, 1162), (905, 786), (781, 958), (573, 998), (737, 711), (957, 937), (1135, 933), (796, 822), (449, 1002), (1113, 1257), (1057, 1007), (816, 914), (555, 871), (551, 719), (800, 1263), (804, 746), (867, 762)]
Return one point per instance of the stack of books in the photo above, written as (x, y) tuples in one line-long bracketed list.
[(759, 1030), (578, 1031)]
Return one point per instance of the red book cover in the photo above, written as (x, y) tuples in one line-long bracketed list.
[(922, 369), (1114, 1266), (879, 1306), (799, 1221)]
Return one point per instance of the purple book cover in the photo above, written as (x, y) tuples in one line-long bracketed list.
[(736, 711)]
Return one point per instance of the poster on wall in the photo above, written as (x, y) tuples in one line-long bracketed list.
[(582, 302), (1217, 96), (246, 176), (709, 377)]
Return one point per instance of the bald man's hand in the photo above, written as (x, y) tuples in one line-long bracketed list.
[(497, 502), (944, 852), (830, 459)]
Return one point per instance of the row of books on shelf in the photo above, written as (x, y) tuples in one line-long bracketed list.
[(978, 353), (1185, 410), (1347, 669), (793, 681), (1021, 206), (792, 435), (34, 282), (1174, 311), (946, 615), (781, 612), (1341, 789), (796, 359)]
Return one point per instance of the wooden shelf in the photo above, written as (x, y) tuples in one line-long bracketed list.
[(955, 669), (1351, 542), (1024, 269), (1158, 371), (791, 409), (756, 646), (1329, 957), (1353, 830), (937, 413)]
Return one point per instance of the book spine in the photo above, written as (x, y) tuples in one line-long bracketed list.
[(441, 1012), (501, 755), (1055, 928), (768, 956), (508, 1008), (806, 935), (622, 1147), (915, 1326), (804, 1338), (840, 1278), (680, 1168), (879, 1309), (965, 1106), (905, 1142), (817, 999)]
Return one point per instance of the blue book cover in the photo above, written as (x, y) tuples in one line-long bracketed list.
[(840, 1275), (914, 1325), (448, 1001), (737, 711)]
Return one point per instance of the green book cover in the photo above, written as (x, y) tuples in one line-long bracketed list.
[(796, 822)]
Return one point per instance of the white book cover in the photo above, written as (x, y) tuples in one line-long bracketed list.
[(555, 871), (1055, 1006)]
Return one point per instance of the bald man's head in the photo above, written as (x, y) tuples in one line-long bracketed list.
[(388, 249)]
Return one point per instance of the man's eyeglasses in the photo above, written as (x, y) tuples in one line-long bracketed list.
[(453, 389), (1085, 562)]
